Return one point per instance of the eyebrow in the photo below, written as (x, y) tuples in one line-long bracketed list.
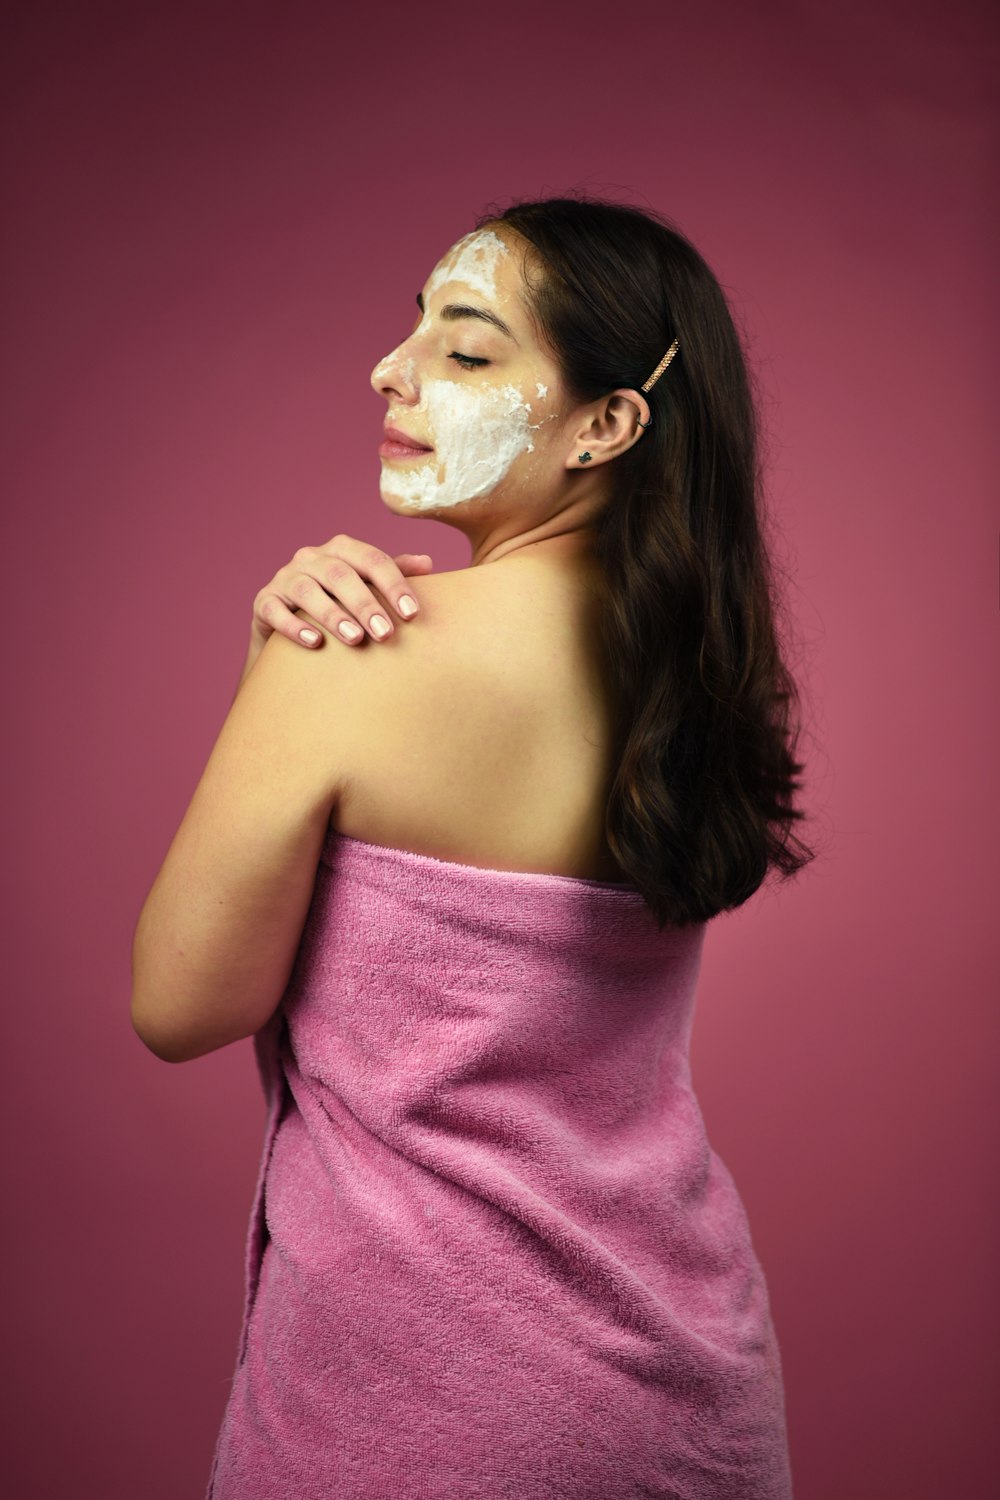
[(455, 310)]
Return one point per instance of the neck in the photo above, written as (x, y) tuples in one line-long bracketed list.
[(570, 546), (570, 543)]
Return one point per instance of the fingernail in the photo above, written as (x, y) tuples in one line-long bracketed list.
[(379, 626), (309, 636), (407, 606), (350, 631)]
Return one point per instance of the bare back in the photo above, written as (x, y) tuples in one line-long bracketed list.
[(481, 732)]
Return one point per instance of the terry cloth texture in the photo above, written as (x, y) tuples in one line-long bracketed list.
[(491, 1252)]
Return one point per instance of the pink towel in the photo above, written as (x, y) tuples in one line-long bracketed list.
[(491, 1252)]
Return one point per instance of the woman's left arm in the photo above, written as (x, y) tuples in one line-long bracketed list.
[(217, 936)]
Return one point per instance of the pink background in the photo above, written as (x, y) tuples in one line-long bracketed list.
[(219, 217)]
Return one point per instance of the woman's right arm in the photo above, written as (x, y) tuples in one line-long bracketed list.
[(330, 583)]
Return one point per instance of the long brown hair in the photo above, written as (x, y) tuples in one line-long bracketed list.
[(701, 804)]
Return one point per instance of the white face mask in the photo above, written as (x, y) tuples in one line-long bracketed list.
[(477, 433), (477, 430), (473, 261)]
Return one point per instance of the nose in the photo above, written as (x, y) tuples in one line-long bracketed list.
[(393, 377)]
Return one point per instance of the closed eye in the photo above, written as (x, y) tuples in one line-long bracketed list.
[(467, 361)]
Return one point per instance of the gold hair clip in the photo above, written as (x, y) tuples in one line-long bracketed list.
[(660, 368)]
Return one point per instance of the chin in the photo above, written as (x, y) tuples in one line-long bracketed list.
[(397, 504)]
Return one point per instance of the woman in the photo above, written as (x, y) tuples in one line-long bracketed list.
[(456, 888)]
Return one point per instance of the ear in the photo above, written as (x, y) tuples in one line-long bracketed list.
[(610, 426)]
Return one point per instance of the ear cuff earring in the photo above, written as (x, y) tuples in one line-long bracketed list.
[(585, 458)]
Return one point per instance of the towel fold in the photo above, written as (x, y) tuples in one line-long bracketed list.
[(491, 1252)]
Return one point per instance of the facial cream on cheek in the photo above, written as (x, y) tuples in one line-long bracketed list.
[(477, 433)]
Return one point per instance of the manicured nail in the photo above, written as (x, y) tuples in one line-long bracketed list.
[(309, 636), (349, 630), (379, 626), (407, 606)]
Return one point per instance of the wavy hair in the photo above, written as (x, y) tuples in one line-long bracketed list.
[(701, 805)]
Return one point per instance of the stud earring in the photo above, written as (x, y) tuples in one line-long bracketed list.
[(585, 458)]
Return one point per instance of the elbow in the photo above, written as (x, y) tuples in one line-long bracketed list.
[(174, 1049), (186, 1018), (155, 1018), (149, 1035), (168, 1043), (179, 1044), (165, 1048)]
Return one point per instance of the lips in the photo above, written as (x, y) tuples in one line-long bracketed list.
[(398, 439)]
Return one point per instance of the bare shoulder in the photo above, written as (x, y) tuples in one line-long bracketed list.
[(440, 686), (477, 605), (472, 619), (489, 648), (465, 624), (477, 731), (504, 608)]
